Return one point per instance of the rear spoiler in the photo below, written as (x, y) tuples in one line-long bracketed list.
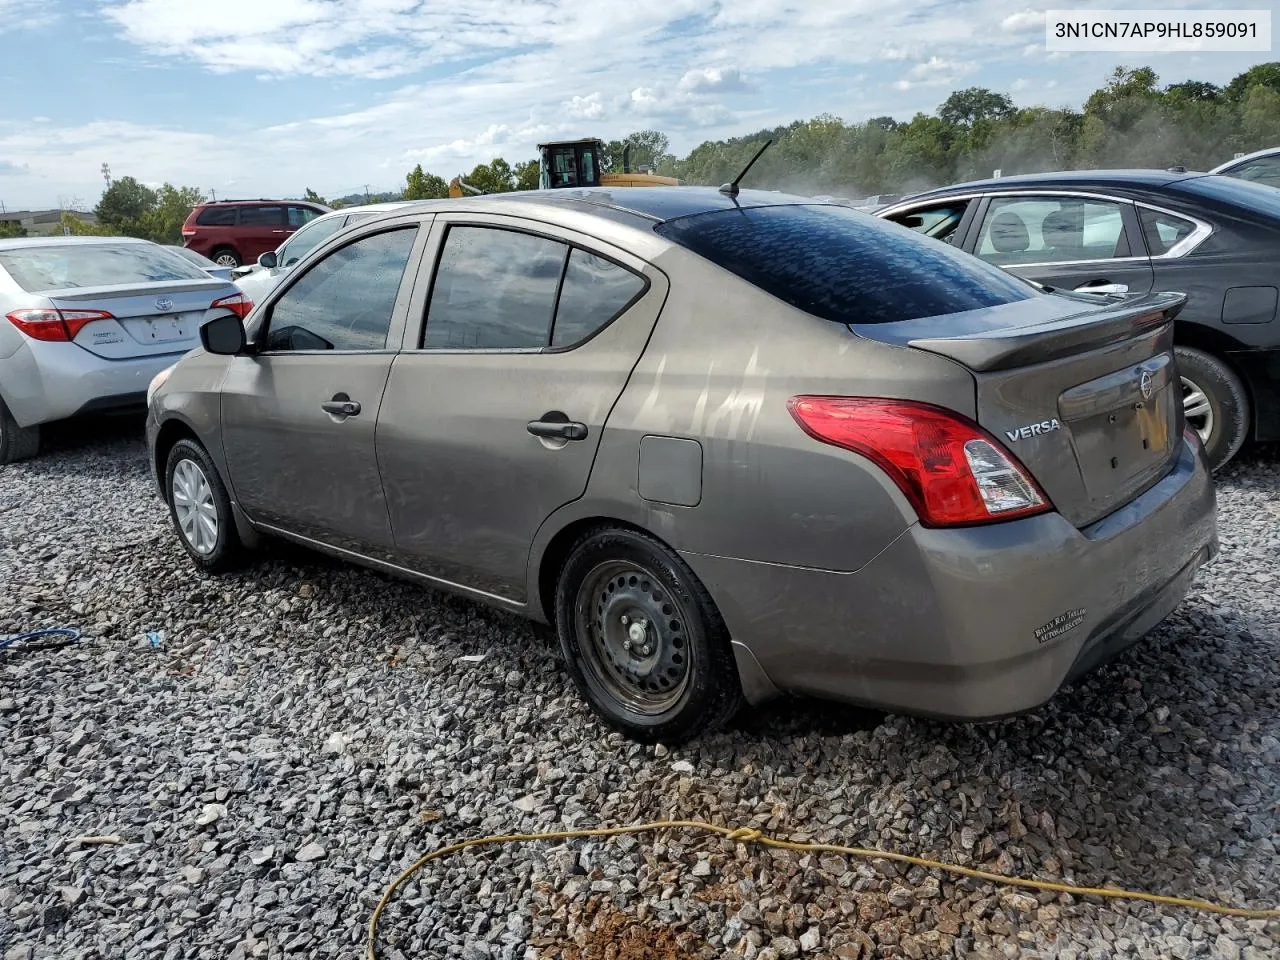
[(1054, 339), (134, 289)]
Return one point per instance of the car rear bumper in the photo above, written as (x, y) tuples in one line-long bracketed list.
[(973, 623), (43, 382)]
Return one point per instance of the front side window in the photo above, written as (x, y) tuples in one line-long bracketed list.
[(1021, 230), (262, 216), (307, 239), (1163, 231), (494, 289), (1263, 170), (939, 222), (345, 301), (841, 265), (564, 168), (595, 290)]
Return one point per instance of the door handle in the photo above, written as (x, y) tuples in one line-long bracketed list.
[(277, 231), (1102, 286), (341, 408), (558, 429)]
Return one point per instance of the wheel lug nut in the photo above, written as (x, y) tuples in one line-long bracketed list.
[(626, 644), (625, 620)]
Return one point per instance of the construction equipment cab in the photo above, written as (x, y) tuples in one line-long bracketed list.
[(576, 163)]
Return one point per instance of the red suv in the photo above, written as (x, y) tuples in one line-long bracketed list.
[(232, 232)]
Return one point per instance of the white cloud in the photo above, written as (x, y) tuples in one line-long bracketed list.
[(1025, 21), (711, 80), (1021, 84), (590, 107), (26, 14), (935, 72)]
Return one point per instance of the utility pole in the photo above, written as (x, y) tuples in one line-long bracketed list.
[(366, 193), (106, 175), (214, 194)]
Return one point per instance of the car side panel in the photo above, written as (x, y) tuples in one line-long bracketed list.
[(722, 363)]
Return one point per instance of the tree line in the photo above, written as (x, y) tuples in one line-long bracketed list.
[(1130, 121)]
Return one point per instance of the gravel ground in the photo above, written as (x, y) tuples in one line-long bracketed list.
[(304, 730)]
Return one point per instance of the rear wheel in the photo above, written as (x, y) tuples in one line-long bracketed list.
[(16, 443), (643, 640), (200, 508), (1215, 404), (225, 257)]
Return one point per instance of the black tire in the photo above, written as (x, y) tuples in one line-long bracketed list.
[(16, 443), (223, 550), (1227, 412), (226, 252), (686, 683)]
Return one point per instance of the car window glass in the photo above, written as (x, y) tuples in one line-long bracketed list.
[(594, 291), (844, 266), (1163, 230), (1263, 170), (1256, 198), (345, 301), (217, 217), (937, 222), (262, 216), (62, 267), (1019, 230), (494, 289), (307, 239)]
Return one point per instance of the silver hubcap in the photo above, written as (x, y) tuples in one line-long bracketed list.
[(226, 260), (193, 503), (1197, 409)]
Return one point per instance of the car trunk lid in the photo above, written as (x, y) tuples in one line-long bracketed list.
[(148, 319), (1082, 390)]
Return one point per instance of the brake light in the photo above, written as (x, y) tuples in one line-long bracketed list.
[(55, 326), (237, 303), (188, 231), (953, 472)]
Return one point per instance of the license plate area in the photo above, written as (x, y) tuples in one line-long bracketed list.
[(161, 329)]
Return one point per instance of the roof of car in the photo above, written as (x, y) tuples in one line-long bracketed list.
[(1112, 178), (232, 203), (387, 205), (655, 204), (55, 241), (1232, 164)]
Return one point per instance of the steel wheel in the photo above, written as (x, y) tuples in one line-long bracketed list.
[(194, 506), (633, 636), (1197, 409)]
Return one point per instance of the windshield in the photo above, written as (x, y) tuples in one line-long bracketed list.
[(841, 265), (37, 269), (1238, 193)]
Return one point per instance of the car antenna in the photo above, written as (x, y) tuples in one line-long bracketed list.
[(731, 189)]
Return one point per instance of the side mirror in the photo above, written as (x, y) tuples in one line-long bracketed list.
[(224, 336), (267, 260)]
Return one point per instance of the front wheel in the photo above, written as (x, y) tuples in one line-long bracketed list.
[(1215, 404), (226, 257), (200, 508), (643, 640)]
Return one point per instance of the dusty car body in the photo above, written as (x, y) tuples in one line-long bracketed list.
[(728, 446)]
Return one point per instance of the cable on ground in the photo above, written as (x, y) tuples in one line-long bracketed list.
[(748, 835), (21, 642)]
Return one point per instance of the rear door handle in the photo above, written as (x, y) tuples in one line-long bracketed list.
[(341, 408), (1102, 286), (558, 429)]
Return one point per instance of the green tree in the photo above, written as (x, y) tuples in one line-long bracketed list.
[(527, 173), (493, 177), (11, 228), (313, 197), (649, 148), (163, 222), (79, 227), (1262, 74), (966, 107), (420, 185), (124, 205)]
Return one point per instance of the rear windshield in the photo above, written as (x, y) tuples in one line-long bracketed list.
[(37, 269), (1239, 193), (841, 265)]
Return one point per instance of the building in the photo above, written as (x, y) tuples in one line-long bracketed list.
[(42, 223)]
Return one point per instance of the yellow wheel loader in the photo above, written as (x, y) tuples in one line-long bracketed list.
[(576, 163)]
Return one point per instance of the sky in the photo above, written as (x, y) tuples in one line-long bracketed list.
[(263, 98)]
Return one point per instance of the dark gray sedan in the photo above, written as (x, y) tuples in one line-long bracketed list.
[(730, 446), (1127, 233)]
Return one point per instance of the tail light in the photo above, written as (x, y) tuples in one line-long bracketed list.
[(55, 326), (188, 231), (237, 303), (953, 472)]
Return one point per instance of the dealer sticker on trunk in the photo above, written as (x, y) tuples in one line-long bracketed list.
[(1059, 625)]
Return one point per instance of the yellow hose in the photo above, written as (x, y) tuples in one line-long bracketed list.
[(748, 835)]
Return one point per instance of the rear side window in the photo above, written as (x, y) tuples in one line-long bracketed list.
[(844, 266), (217, 217), (595, 290), (345, 301), (39, 269), (262, 216), (300, 216), (1163, 231), (494, 289)]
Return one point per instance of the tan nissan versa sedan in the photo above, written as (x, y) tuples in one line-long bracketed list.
[(729, 444)]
